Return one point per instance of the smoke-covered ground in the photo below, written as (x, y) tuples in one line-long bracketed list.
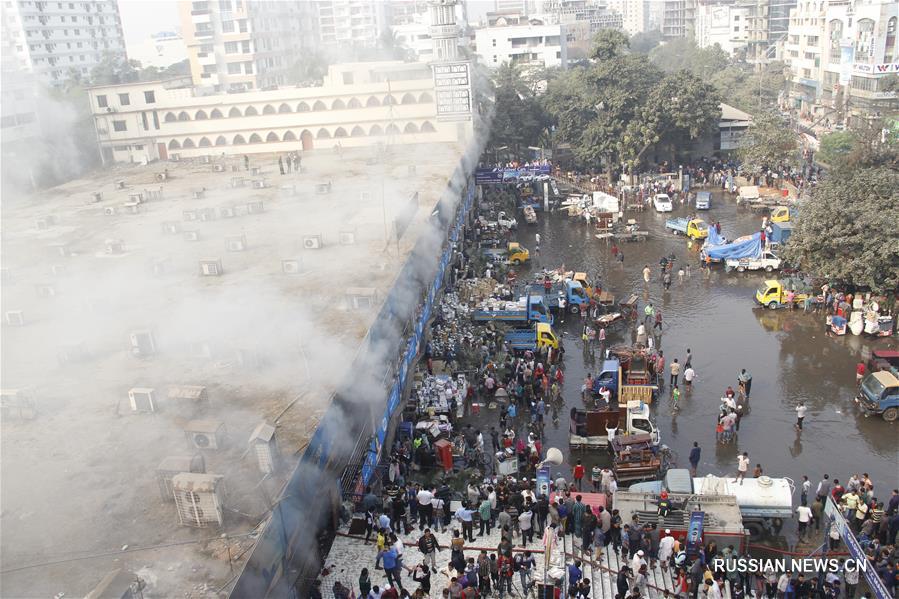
[(79, 479)]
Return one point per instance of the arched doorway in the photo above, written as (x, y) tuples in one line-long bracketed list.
[(307, 139)]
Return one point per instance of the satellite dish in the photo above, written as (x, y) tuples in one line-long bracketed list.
[(554, 457)]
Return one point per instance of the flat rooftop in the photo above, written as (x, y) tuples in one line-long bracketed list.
[(270, 339)]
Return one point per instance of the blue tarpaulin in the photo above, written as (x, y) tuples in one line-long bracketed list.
[(714, 239), (744, 247)]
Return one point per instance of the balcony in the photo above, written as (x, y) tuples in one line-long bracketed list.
[(204, 33), (206, 58)]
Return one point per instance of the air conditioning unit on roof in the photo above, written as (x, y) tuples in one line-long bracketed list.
[(312, 242)]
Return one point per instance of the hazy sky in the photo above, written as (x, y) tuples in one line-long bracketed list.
[(140, 18)]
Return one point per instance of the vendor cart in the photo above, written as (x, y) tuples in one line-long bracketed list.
[(635, 458), (628, 307), (838, 325), (604, 298)]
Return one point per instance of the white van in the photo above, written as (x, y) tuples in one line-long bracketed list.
[(662, 203)]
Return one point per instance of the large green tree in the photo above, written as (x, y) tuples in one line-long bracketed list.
[(847, 232), (518, 117), (835, 148), (612, 111), (769, 143)]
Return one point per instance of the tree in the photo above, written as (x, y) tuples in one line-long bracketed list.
[(642, 43), (683, 54), (310, 66), (609, 44), (846, 232), (890, 83), (113, 69), (835, 148), (518, 117), (769, 143)]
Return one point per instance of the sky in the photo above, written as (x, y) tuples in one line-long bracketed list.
[(140, 18)]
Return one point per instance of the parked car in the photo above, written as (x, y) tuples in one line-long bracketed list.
[(662, 203)]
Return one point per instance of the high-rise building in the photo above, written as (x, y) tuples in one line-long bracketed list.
[(722, 24), (58, 40), (634, 14), (352, 23), (236, 45), (525, 45), (678, 18), (582, 19), (839, 53)]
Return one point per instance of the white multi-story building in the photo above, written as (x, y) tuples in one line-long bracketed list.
[(237, 45), (56, 40), (525, 45), (839, 52), (678, 18), (722, 24), (634, 14), (352, 23), (359, 104)]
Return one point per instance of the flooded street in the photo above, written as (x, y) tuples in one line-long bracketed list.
[(787, 353)]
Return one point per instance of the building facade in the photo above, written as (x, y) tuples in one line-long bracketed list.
[(56, 41), (352, 23), (359, 104), (723, 24), (635, 15), (678, 18), (526, 45), (239, 45), (839, 54)]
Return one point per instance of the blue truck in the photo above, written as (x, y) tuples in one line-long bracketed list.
[(530, 339), (530, 308), (780, 233), (878, 393), (573, 291)]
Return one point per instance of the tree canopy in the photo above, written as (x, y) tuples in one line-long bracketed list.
[(769, 143), (835, 148), (847, 233), (518, 117), (614, 109)]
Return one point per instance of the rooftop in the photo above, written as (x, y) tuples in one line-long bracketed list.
[(269, 343)]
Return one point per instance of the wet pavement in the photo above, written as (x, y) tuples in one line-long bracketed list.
[(787, 353)]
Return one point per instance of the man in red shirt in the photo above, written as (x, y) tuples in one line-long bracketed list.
[(578, 474), (859, 372)]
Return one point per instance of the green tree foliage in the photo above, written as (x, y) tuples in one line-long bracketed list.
[(113, 69), (847, 233), (609, 44), (613, 110), (683, 54), (518, 117), (769, 143), (739, 83), (835, 148), (642, 43)]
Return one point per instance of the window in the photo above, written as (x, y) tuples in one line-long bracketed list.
[(146, 123), (227, 26), (494, 42), (245, 47), (348, 78), (225, 5), (242, 25), (150, 97), (737, 29), (234, 68), (121, 148), (155, 120), (124, 99), (230, 47), (248, 68), (119, 126), (812, 40), (101, 102)]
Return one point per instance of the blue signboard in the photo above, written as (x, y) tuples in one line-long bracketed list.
[(694, 534), (543, 481), (487, 176)]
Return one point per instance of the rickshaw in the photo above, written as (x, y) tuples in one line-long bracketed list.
[(628, 307)]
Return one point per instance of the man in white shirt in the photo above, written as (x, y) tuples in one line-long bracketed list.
[(525, 520), (425, 509), (638, 561), (800, 415), (689, 375), (666, 548), (611, 431), (742, 467), (805, 517)]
